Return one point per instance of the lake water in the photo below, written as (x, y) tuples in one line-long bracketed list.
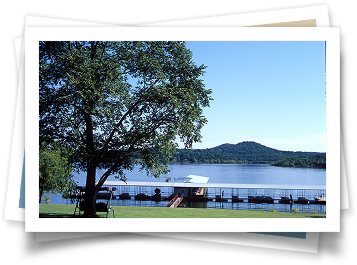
[(227, 173)]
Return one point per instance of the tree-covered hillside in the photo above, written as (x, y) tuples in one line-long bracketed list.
[(244, 152), (318, 161)]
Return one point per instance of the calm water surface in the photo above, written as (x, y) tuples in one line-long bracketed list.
[(231, 173)]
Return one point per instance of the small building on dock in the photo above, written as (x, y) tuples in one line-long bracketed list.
[(192, 193)]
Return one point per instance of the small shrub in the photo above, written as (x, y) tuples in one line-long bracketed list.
[(273, 211), (312, 211), (296, 210)]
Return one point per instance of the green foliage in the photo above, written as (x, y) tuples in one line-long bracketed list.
[(273, 211), (241, 153), (316, 161), (55, 173), (295, 210)]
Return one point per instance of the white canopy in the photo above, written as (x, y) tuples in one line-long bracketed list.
[(193, 179)]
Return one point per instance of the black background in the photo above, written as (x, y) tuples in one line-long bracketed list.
[(133, 248)]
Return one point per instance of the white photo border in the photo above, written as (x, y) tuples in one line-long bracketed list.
[(329, 224)]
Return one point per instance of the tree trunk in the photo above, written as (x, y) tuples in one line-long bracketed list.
[(91, 195)]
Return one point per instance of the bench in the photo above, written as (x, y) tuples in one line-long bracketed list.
[(100, 206)]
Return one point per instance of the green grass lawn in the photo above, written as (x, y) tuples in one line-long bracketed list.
[(66, 211)]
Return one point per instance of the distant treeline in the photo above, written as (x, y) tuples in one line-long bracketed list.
[(318, 161), (241, 153)]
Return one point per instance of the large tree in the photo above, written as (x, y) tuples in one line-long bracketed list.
[(120, 104)]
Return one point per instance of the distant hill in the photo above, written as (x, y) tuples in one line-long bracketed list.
[(241, 153)]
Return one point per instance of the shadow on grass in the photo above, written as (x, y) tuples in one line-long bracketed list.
[(316, 216), (57, 215), (62, 215)]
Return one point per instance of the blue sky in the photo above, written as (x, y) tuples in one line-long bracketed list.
[(269, 92)]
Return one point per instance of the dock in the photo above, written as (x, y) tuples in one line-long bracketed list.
[(220, 192)]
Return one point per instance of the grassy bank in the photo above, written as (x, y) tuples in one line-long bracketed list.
[(66, 211)]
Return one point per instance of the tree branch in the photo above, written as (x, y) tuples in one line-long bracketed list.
[(131, 147), (105, 176), (118, 124), (105, 45), (115, 129)]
